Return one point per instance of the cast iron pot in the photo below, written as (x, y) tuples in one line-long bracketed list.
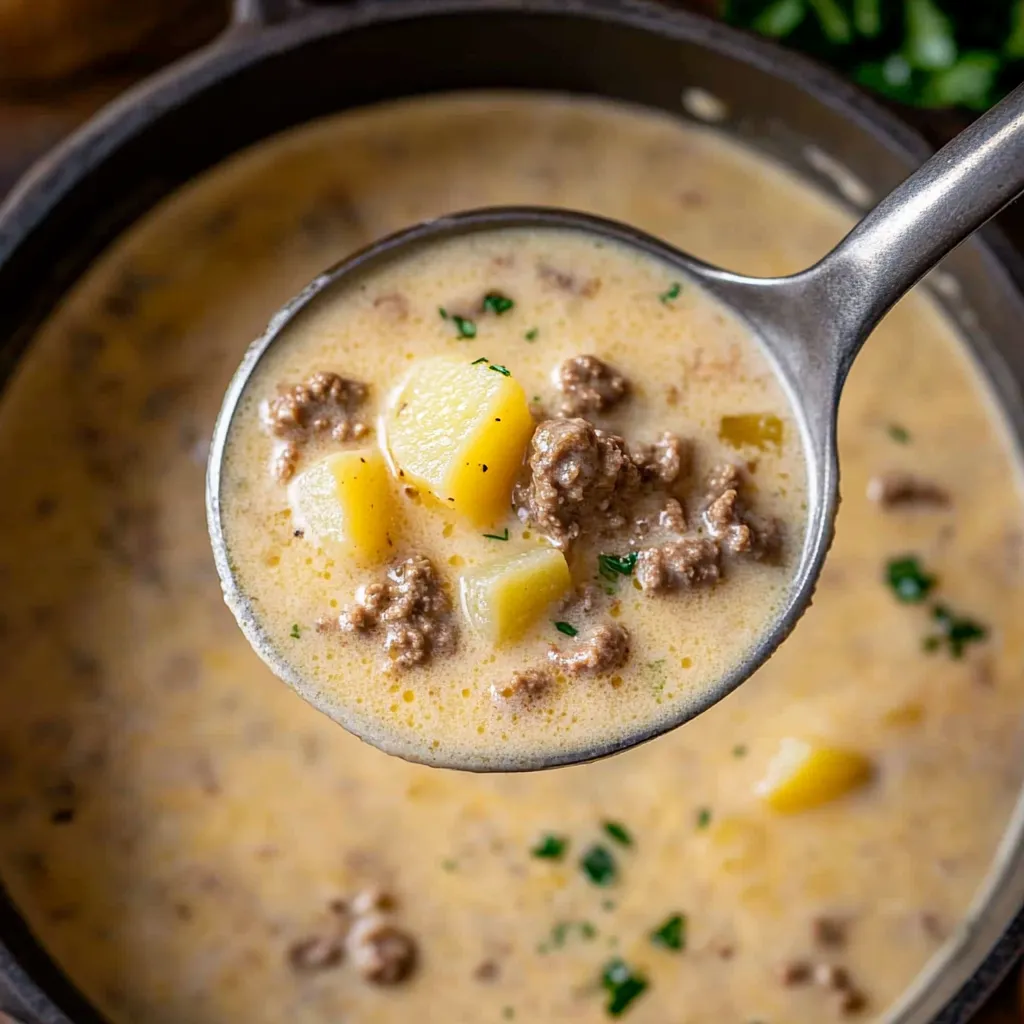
[(282, 63)]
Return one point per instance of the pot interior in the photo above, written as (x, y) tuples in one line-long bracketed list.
[(150, 144)]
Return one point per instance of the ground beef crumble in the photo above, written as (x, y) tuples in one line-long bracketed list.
[(524, 686), (324, 406), (729, 520), (904, 490), (601, 648), (411, 607), (678, 564), (578, 475), (664, 461), (589, 385)]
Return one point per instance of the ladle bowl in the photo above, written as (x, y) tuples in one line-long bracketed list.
[(810, 325)]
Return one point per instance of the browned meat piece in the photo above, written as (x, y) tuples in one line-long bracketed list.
[(795, 972), (581, 600), (689, 562), (325, 406), (730, 521), (832, 976), (829, 931), (601, 648), (566, 282), (665, 461), (903, 490), (413, 609), (577, 474), (317, 953), (589, 384), (524, 686), (672, 517), (383, 954), (851, 1001)]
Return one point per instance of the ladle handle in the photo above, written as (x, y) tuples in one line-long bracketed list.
[(968, 181)]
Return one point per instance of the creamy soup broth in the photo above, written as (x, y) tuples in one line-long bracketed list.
[(176, 821), (573, 294)]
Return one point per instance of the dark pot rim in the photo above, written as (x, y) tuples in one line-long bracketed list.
[(254, 39)]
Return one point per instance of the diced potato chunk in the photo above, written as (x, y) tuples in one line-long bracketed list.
[(503, 598), (459, 431), (346, 499), (804, 774), (761, 431)]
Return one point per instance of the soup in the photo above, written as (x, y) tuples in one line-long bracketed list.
[(192, 841), (542, 549)]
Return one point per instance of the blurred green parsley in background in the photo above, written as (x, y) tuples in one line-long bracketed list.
[(925, 53)]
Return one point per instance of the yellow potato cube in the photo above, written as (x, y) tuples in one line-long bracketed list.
[(458, 430), (804, 774), (503, 598), (346, 499)]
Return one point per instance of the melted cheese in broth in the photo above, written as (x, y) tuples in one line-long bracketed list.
[(680, 644), (174, 821)]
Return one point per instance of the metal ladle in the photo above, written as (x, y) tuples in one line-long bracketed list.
[(812, 325)]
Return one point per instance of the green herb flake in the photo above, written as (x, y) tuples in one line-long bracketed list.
[(671, 934), (563, 930), (508, 1012), (622, 984), (449, 865), (955, 632), (740, 750), (296, 632), (899, 434), (672, 293), (477, 362), (907, 580), (531, 334), (550, 847), (498, 368), (608, 905), (464, 326), (495, 302), (497, 536), (613, 566), (618, 832), (704, 817), (598, 865), (567, 628)]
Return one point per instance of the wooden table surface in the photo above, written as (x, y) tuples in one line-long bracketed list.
[(34, 118)]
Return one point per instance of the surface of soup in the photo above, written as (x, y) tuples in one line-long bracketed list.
[(177, 825), (645, 549)]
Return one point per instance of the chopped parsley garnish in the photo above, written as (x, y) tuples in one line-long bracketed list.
[(531, 334), (563, 930), (704, 817), (613, 566), (477, 362), (495, 302), (465, 326), (497, 536), (508, 1012), (671, 934), (498, 368), (899, 434), (598, 865), (618, 832), (622, 984), (740, 750), (567, 628), (909, 582), (296, 633), (673, 293), (955, 632), (551, 847), (449, 865)]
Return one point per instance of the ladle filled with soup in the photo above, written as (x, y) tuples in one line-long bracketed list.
[(477, 508)]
